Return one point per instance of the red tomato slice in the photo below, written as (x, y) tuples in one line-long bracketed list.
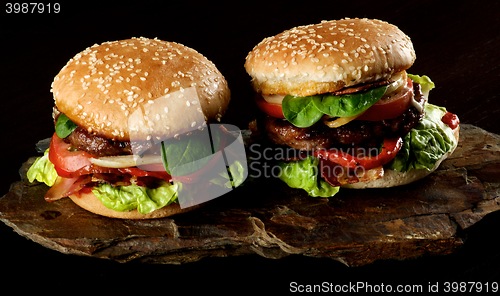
[(67, 162), (391, 107), (389, 151), (273, 110)]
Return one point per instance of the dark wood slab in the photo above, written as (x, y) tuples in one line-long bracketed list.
[(355, 227)]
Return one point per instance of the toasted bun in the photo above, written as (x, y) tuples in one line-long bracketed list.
[(89, 202), (392, 178), (140, 88), (326, 57)]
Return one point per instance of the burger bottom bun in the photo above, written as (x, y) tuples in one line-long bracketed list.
[(89, 202), (392, 178)]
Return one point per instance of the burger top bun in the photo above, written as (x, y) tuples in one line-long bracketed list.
[(140, 88), (326, 57)]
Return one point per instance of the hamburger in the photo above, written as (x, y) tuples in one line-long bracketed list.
[(123, 111), (342, 111)]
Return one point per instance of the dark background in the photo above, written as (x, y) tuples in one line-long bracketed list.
[(457, 45)]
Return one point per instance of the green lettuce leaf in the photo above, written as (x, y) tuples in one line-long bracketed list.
[(127, 198), (233, 178), (42, 170), (424, 81), (189, 154), (349, 104), (64, 126), (426, 143), (306, 111), (305, 174), (300, 111)]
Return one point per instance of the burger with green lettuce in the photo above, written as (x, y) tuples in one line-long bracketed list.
[(338, 100), (127, 113)]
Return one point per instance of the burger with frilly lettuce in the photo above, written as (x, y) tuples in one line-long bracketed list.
[(120, 109), (338, 99)]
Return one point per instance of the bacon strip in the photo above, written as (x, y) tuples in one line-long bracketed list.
[(66, 186), (363, 87)]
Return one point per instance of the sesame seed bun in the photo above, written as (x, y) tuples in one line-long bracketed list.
[(140, 88), (89, 202), (329, 56)]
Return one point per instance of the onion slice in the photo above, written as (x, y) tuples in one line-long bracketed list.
[(125, 161), (273, 99), (339, 121)]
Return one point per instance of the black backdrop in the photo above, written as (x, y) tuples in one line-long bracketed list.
[(457, 45)]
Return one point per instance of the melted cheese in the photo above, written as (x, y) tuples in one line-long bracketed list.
[(416, 105), (339, 121)]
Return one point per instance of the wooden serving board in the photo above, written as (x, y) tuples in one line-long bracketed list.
[(266, 217)]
